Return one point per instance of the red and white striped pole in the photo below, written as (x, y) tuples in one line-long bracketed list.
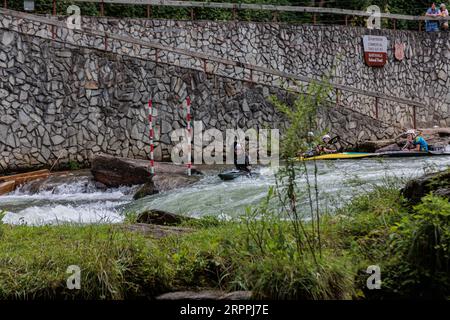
[(152, 146), (189, 136)]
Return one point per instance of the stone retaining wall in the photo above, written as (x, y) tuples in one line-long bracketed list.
[(68, 100)]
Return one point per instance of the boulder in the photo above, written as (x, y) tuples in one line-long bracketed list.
[(391, 147), (116, 171), (437, 183), (160, 217), (166, 182), (146, 190), (372, 146)]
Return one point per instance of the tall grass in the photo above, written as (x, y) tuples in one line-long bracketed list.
[(114, 265)]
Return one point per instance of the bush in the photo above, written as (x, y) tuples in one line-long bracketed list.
[(421, 241)]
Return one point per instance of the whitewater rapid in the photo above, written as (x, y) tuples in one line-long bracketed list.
[(82, 202)]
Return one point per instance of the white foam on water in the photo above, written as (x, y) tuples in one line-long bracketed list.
[(75, 202), (99, 212)]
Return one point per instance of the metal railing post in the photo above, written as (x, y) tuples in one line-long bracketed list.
[(102, 8)]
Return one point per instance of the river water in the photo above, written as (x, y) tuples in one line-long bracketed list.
[(82, 202)]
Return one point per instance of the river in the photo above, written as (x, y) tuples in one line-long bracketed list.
[(82, 202)]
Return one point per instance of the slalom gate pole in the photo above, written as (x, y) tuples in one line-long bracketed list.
[(189, 136), (152, 145)]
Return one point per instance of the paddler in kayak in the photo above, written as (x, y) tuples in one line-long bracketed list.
[(238, 153), (324, 147), (415, 142)]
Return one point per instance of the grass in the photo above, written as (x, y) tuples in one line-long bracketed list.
[(114, 265), (373, 229)]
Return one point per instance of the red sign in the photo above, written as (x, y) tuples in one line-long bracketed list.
[(375, 50), (400, 51)]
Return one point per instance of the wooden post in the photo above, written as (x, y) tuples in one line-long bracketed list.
[(414, 117), (54, 13), (346, 20), (234, 12), (395, 24), (5, 4), (314, 18), (149, 11), (420, 25), (102, 9), (192, 14), (274, 16)]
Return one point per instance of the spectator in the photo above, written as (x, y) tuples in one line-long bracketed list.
[(432, 25), (444, 14)]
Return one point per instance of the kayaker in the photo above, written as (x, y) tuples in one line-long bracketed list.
[(416, 141), (324, 146), (238, 150)]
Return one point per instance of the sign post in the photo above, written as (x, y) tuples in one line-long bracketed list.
[(375, 50)]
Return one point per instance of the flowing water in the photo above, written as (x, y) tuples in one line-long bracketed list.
[(82, 202)]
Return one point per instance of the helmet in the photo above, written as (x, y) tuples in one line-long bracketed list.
[(326, 137), (411, 132)]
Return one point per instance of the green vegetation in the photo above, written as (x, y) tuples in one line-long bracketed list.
[(140, 11), (411, 246)]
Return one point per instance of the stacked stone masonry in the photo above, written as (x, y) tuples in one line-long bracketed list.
[(71, 98)]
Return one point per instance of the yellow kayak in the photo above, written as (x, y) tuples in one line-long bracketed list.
[(342, 155)]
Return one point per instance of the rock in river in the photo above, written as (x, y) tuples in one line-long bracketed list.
[(160, 217), (437, 183), (116, 171)]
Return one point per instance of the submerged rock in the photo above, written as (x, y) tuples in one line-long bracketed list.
[(437, 183), (83, 178), (160, 217)]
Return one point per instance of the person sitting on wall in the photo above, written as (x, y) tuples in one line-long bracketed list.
[(432, 25), (415, 142)]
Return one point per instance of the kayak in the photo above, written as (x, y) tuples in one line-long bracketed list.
[(361, 155), (341, 155), (402, 154), (233, 174)]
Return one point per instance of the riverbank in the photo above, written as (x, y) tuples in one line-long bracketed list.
[(378, 228)]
